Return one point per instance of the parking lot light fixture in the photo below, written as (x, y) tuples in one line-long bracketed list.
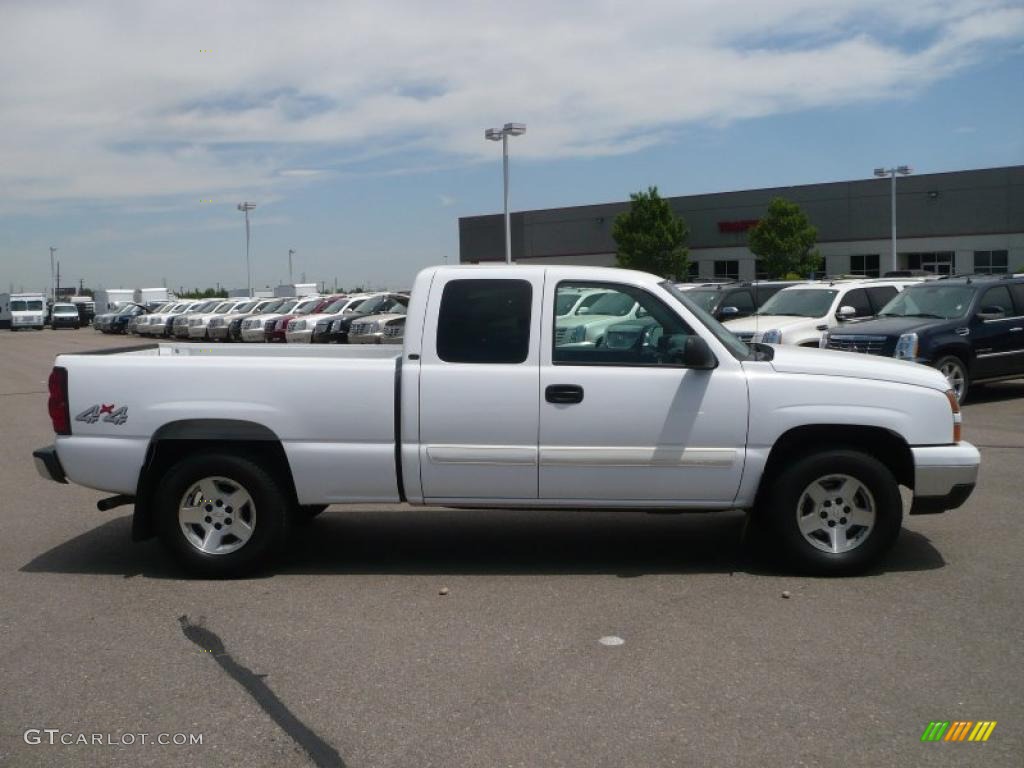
[(502, 134), (902, 170), (245, 208)]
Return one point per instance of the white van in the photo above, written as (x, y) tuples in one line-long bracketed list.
[(23, 310)]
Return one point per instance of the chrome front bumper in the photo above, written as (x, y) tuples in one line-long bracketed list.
[(944, 476)]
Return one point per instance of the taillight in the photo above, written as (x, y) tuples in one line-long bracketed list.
[(954, 406), (57, 405)]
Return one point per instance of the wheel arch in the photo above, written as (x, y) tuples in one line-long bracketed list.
[(177, 439), (887, 446)]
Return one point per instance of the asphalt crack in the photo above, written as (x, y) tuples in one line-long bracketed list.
[(322, 753)]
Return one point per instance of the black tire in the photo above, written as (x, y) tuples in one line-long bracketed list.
[(954, 363), (271, 515), (781, 511)]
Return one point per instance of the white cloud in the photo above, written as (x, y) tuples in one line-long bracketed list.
[(123, 101), (447, 201)]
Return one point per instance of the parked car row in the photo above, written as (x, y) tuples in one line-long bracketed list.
[(969, 327), (365, 318)]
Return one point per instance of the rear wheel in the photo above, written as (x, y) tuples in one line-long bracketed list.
[(833, 513), (221, 514), (953, 368)]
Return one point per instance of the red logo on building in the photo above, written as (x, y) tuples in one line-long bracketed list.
[(741, 225)]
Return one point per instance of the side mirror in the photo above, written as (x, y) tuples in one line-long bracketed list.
[(728, 312), (991, 313), (583, 311), (846, 312), (698, 355)]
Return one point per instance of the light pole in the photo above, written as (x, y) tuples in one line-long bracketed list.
[(245, 208), (53, 290), (291, 253), (902, 170), (502, 134)]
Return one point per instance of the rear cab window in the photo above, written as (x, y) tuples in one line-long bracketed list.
[(485, 321)]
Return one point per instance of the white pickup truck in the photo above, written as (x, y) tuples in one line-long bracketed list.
[(222, 449)]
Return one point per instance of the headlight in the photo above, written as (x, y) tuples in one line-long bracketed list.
[(771, 336), (298, 325), (906, 347), (579, 333), (322, 324)]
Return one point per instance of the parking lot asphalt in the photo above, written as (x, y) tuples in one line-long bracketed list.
[(348, 654)]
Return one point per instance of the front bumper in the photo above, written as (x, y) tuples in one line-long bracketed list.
[(944, 477), (253, 335), (298, 337), (366, 338), (48, 464), (197, 331), (218, 332)]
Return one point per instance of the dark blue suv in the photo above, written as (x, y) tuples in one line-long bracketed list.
[(971, 328)]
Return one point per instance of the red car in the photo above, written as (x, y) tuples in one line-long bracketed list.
[(306, 307)]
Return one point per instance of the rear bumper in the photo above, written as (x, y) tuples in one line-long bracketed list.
[(944, 477), (48, 464)]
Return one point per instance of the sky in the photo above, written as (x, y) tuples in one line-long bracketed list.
[(129, 131)]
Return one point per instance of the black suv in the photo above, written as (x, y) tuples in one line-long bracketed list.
[(729, 301), (971, 328)]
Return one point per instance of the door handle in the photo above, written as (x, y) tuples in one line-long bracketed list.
[(564, 393)]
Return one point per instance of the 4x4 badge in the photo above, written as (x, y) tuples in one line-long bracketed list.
[(110, 414)]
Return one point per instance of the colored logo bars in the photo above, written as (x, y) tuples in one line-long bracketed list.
[(958, 730)]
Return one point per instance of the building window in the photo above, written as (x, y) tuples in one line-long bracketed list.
[(864, 264), (991, 262), (727, 269), (936, 262), (693, 272), (760, 273)]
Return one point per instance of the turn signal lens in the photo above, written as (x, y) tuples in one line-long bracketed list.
[(954, 406)]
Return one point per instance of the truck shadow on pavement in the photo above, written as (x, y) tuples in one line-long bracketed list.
[(414, 542), (995, 392)]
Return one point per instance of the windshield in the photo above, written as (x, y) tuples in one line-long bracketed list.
[(738, 349), (307, 306), (613, 303), (372, 305), (129, 309), (564, 302), (270, 306), (223, 307), (812, 302), (336, 306), (245, 307), (705, 299), (18, 306), (65, 309), (941, 301)]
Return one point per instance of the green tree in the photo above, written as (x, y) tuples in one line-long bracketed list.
[(650, 237), (784, 241)]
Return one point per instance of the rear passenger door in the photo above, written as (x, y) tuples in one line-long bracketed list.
[(996, 344), (479, 394)]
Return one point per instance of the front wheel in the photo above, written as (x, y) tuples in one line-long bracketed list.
[(833, 513), (221, 514), (955, 371)]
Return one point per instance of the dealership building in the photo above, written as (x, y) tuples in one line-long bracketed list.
[(957, 222)]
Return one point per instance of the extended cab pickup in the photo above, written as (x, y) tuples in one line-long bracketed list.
[(221, 449)]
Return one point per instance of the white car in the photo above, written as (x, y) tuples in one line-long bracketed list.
[(199, 323), (300, 330), (254, 329), (577, 302), (159, 323), (179, 323), (800, 314), (481, 408), (611, 308)]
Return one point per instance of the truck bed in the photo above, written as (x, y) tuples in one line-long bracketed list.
[(331, 407)]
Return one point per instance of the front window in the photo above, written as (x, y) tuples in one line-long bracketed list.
[(19, 306), (35, 306), (729, 340), (939, 301), (812, 302), (612, 304), (706, 300)]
